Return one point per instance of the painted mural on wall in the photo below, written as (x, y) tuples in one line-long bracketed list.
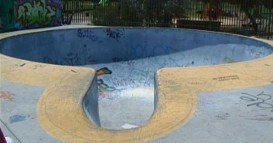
[(38, 13), (24, 14)]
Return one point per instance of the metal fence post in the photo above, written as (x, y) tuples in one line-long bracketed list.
[(7, 14)]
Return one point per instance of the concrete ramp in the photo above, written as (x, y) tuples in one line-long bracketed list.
[(118, 84)]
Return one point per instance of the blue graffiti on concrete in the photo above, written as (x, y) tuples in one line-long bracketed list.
[(16, 118), (115, 33), (87, 33)]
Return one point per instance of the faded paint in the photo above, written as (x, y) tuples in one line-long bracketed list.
[(16, 118)]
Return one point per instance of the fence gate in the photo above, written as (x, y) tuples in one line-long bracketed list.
[(78, 11)]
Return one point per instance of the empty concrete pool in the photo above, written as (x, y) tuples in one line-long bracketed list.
[(97, 80)]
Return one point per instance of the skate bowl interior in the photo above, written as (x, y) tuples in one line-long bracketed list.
[(123, 64), (91, 46)]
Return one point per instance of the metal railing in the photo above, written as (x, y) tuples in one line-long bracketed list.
[(247, 17), (227, 16)]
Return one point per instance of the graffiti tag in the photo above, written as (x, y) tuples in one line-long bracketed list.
[(36, 12), (115, 34), (261, 100), (87, 33)]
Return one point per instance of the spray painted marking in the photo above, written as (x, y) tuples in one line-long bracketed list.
[(38, 13), (115, 33), (229, 116), (6, 95), (226, 78), (88, 34), (103, 87), (262, 100), (16, 118)]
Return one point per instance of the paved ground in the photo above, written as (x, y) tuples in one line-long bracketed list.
[(18, 113), (236, 116)]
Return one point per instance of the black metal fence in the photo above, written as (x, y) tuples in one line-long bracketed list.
[(247, 17), (78, 11)]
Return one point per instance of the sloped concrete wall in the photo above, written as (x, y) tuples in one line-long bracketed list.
[(83, 46)]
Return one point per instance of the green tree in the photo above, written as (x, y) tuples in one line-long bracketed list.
[(103, 2)]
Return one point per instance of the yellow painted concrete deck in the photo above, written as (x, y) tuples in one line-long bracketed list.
[(60, 111)]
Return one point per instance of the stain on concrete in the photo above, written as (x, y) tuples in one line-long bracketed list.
[(38, 66), (261, 119), (229, 60), (16, 118), (223, 116), (22, 64)]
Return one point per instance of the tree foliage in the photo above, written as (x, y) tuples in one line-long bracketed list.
[(144, 12)]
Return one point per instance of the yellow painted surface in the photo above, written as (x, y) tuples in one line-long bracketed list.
[(60, 111)]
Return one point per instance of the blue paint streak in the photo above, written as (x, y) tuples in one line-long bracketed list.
[(16, 118)]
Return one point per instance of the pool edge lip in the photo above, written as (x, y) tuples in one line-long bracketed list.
[(66, 27), (269, 57)]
